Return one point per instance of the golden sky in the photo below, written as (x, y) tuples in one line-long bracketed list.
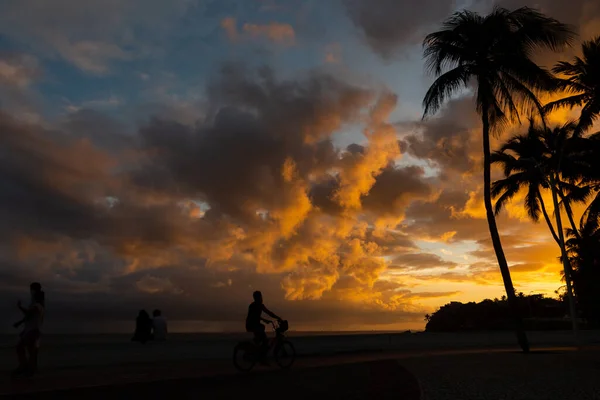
[(187, 157)]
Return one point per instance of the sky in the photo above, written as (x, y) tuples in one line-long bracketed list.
[(182, 154)]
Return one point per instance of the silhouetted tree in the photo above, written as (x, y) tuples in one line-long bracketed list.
[(494, 52), (538, 161), (522, 160), (583, 83), (544, 313), (584, 255)]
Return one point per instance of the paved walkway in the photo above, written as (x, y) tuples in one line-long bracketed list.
[(383, 380), (454, 374), (548, 375)]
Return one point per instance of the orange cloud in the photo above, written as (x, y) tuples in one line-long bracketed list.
[(277, 32), (333, 53), (229, 25), (19, 70), (361, 170), (153, 285)]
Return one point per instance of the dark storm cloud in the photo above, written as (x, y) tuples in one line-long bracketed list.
[(437, 217), (104, 132), (395, 188), (92, 209), (449, 141), (420, 261), (37, 179), (55, 184), (245, 144), (390, 24)]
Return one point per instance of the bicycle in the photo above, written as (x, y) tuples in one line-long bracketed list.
[(246, 354)]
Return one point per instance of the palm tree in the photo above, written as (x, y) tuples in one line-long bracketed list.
[(494, 53), (583, 251), (523, 160), (582, 83), (528, 160), (581, 174), (534, 161)]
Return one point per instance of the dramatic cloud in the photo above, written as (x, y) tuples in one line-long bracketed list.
[(421, 260), (333, 53), (18, 70), (390, 24), (449, 141), (178, 179), (91, 35), (164, 197), (275, 32)]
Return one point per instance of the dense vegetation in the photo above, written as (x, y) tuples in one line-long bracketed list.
[(492, 55), (540, 313)]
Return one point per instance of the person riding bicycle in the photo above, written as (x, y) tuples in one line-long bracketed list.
[(253, 322)]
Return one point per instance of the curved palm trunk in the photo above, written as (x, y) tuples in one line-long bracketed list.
[(502, 263), (547, 218), (569, 212), (558, 240), (565, 260)]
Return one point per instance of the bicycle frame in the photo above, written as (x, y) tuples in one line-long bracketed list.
[(279, 336)]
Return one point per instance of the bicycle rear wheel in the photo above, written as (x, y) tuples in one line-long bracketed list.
[(285, 354), (244, 356)]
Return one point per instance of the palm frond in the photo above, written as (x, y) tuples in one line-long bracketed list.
[(507, 161), (506, 189), (528, 100), (537, 31), (589, 114), (443, 50), (532, 204), (444, 87), (567, 102), (567, 68)]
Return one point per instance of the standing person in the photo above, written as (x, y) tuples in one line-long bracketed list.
[(143, 327), (253, 324), (159, 326), (29, 339)]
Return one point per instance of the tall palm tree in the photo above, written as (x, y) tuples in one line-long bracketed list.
[(494, 53), (583, 251), (523, 159), (582, 82), (580, 173), (534, 161)]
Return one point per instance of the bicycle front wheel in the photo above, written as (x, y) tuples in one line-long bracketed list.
[(285, 354), (244, 356)]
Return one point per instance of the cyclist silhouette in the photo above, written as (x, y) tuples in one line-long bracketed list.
[(253, 323)]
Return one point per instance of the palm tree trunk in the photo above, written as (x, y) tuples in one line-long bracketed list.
[(565, 261), (557, 239), (569, 212), (502, 263), (547, 218)]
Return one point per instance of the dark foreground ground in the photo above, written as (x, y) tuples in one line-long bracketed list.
[(368, 380), (484, 374)]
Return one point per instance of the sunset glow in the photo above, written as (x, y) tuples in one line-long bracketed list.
[(183, 154)]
